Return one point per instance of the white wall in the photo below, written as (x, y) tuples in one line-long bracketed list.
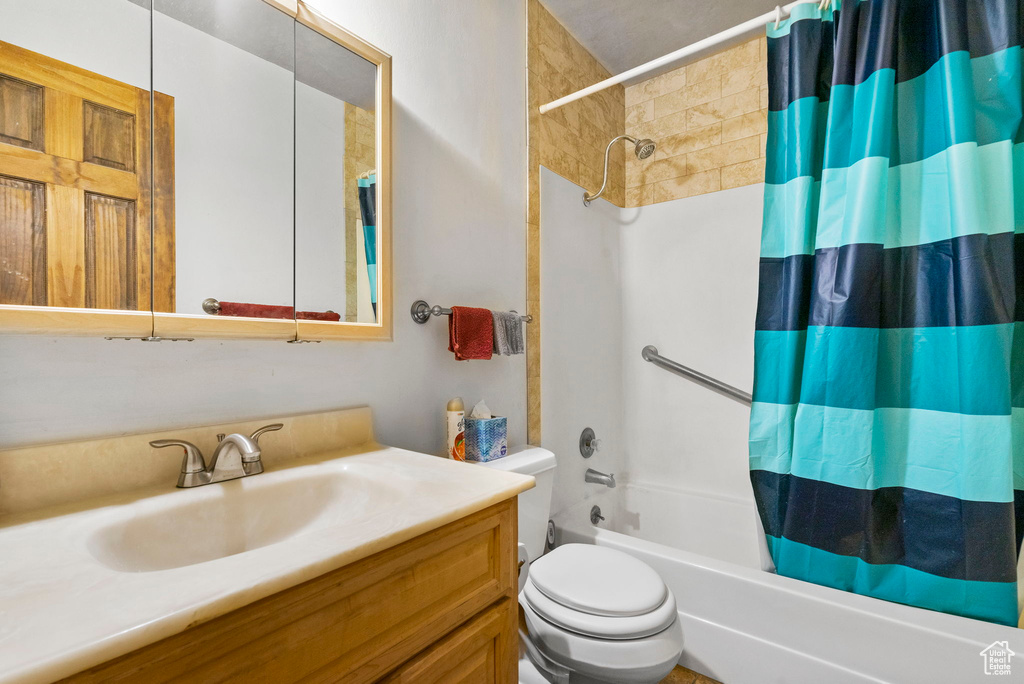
[(459, 73), (680, 275), (320, 201), (690, 288), (69, 30), (234, 147), (581, 336)]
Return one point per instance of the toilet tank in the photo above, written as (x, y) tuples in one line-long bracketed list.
[(534, 504)]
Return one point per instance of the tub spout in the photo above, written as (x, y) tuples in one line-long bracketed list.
[(594, 477)]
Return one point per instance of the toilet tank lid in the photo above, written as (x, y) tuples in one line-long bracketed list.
[(526, 459)]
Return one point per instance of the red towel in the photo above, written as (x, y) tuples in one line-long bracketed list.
[(318, 316), (470, 333), (255, 310)]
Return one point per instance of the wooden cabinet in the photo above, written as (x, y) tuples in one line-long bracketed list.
[(483, 651), (438, 608)]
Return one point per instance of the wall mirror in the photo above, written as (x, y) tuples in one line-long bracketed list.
[(335, 185), (211, 168), (75, 165), (223, 82)]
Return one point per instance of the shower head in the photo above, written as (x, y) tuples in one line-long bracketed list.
[(644, 148), (641, 148)]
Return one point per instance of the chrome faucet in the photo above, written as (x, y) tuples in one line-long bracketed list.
[(594, 477), (235, 456)]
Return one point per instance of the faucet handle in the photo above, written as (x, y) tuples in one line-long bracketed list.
[(192, 462), (266, 428)]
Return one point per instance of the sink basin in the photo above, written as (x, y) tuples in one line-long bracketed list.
[(234, 517)]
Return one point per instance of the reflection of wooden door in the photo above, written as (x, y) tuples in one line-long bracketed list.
[(75, 195)]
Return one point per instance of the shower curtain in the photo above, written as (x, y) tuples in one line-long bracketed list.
[(887, 430), (368, 212)]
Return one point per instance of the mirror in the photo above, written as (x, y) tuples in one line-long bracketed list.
[(192, 168), (335, 184), (75, 154), (223, 78)]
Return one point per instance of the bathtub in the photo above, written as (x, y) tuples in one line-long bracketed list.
[(743, 625)]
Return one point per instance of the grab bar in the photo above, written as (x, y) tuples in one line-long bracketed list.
[(650, 354)]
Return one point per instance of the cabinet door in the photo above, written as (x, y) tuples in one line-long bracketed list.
[(483, 650), (228, 66)]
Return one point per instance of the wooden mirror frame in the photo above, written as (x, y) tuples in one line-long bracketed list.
[(382, 329), (47, 320)]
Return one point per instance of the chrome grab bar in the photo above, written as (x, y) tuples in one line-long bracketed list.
[(650, 354)]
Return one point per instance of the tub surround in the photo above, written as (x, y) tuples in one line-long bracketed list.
[(780, 625), (708, 118), (74, 609)]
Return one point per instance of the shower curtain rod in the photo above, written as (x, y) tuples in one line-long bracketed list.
[(743, 29)]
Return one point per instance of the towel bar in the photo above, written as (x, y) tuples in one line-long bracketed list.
[(421, 312)]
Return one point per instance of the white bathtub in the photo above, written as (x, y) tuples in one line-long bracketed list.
[(746, 626)]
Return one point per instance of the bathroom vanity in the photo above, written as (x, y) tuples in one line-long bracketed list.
[(439, 607), (343, 561)]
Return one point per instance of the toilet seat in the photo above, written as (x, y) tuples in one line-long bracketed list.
[(599, 626), (599, 592), (598, 580)]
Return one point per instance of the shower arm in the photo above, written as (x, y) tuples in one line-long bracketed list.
[(587, 197)]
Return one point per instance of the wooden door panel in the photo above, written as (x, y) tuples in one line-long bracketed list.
[(110, 264), (22, 242), (53, 170), (76, 213), (65, 248), (63, 125), (34, 67), (109, 137), (21, 113), (163, 267)]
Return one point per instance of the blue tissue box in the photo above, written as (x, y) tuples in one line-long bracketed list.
[(486, 440)]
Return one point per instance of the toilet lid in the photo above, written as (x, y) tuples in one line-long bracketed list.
[(598, 581), (599, 626)]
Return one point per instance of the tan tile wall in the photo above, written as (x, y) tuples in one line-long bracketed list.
[(569, 141), (709, 119), (360, 157)]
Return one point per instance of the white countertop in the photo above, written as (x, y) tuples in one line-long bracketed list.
[(62, 610)]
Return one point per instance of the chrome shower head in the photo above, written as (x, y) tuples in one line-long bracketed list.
[(641, 148), (644, 148)]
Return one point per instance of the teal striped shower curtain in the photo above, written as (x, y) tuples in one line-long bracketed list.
[(887, 430), (368, 214)]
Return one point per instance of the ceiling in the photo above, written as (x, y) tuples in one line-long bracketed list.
[(265, 32), (623, 34)]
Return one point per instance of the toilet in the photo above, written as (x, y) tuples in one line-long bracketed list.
[(593, 614)]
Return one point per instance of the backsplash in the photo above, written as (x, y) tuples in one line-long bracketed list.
[(51, 475)]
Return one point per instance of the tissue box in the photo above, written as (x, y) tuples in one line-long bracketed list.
[(486, 440)]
